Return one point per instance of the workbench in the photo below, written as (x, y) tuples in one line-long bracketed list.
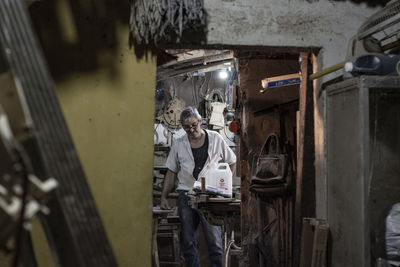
[(224, 212)]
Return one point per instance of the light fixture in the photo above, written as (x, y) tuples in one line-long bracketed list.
[(223, 74)]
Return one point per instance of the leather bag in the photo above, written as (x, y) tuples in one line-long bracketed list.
[(270, 169)]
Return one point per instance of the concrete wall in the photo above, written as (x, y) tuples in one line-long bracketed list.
[(287, 23), (322, 24), (107, 96)]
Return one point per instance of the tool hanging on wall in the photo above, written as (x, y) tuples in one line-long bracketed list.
[(172, 113)]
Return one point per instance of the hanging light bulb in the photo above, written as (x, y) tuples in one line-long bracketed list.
[(223, 74)]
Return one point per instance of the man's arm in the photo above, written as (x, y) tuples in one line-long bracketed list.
[(169, 181), (233, 168)]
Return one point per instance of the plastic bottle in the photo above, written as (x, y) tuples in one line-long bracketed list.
[(221, 178)]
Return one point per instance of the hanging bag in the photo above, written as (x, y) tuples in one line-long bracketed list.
[(270, 169)]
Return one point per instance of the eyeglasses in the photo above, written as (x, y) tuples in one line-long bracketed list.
[(188, 127)]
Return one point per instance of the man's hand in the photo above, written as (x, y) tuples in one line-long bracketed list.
[(164, 205), (168, 184)]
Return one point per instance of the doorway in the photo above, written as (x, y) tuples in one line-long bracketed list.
[(252, 94)]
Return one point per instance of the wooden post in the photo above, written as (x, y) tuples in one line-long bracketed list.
[(305, 176)]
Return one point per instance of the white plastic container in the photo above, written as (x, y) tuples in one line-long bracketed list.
[(221, 178)]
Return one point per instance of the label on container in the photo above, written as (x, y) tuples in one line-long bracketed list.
[(222, 183)]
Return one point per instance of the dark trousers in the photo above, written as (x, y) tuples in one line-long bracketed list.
[(190, 220)]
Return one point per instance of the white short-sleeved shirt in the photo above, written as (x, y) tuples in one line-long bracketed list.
[(180, 159)]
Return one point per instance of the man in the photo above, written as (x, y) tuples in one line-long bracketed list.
[(193, 156)]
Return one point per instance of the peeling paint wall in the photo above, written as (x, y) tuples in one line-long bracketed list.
[(325, 25)]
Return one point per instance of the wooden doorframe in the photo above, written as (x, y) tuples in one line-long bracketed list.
[(305, 205)]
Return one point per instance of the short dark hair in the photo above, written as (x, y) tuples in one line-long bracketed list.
[(189, 112)]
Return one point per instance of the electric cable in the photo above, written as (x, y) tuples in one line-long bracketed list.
[(194, 96), (207, 87), (201, 87)]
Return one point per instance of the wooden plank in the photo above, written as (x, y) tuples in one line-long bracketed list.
[(305, 146), (300, 146), (154, 250)]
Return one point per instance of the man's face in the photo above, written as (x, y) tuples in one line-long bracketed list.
[(192, 127)]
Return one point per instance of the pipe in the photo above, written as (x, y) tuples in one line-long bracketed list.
[(231, 243), (326, 71)]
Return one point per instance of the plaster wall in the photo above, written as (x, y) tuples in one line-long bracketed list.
[(320, 24), (110, 121), (107, 96)]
